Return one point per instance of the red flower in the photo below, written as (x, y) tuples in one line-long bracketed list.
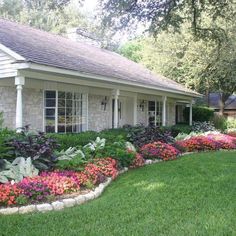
[(8, 194), (159, 150)]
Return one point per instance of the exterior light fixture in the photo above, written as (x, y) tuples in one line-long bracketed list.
[(104, 103)]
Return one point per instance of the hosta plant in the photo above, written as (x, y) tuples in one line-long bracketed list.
[(71, 159), (118, 151), (17, 170), (92, 148), (69, 154)]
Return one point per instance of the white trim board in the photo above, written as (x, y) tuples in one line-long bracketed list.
[(11, 53), (50, 69)]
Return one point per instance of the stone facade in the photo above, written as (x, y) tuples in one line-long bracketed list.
[(171, 113), (98, 118), (8, 105), (32, 107), (142, 114)]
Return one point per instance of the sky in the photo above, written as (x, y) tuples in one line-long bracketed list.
[(90, 5)]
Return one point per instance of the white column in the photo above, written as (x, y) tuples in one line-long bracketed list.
[(135, 110), (191, 113), (19, 82), (116, 94), (164, 98)]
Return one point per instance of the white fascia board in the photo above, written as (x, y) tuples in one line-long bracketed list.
[(11, 53), (51, 69)]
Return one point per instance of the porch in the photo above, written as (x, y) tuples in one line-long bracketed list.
[(55, 103)]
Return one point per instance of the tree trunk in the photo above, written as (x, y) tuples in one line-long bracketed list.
[(223, 98), (222, 107)]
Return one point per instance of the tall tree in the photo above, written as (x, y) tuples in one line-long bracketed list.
[(211, 21), (198, 64), (161, 14), (175, 55), (49, 15), (56, 16)]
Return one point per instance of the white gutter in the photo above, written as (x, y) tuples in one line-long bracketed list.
[(11, 53), (51, 69)]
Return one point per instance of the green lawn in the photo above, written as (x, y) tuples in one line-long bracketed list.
[(195, 195)]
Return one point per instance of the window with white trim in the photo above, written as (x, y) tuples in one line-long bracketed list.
[(65, 112)]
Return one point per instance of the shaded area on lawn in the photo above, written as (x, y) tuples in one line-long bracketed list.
[(192, 196)]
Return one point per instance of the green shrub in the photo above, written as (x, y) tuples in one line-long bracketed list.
[(5, 150), (119, 152), (199, 113), (76, 164), (231, 123), (81, 139), (73, 140), (140, 135), (219, 122), (75, 158), (1, 120), (180, 128)]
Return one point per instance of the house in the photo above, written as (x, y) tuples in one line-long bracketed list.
[(58, 85), (230, 105)]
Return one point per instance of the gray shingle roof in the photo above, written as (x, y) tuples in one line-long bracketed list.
[(214, 100), (49, 49)]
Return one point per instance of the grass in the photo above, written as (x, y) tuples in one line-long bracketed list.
[(195, 195)]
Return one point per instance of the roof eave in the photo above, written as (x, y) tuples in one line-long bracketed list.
[(40, 67), (11, 53)]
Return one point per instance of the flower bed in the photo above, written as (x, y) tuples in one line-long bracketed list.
[(55, 183), (232, 133), (31, 188), (138, 161), (159, 150), (209, 142), (9, 194)]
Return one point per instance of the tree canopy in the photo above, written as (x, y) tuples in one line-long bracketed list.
[(201, 54), (56, 16), (162, 14), (197, 64), (50, 15)]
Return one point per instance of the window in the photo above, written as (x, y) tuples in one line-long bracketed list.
[(155, 113), (65, 112)]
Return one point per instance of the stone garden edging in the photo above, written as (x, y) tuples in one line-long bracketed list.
[(60, 204), (69, 202)]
